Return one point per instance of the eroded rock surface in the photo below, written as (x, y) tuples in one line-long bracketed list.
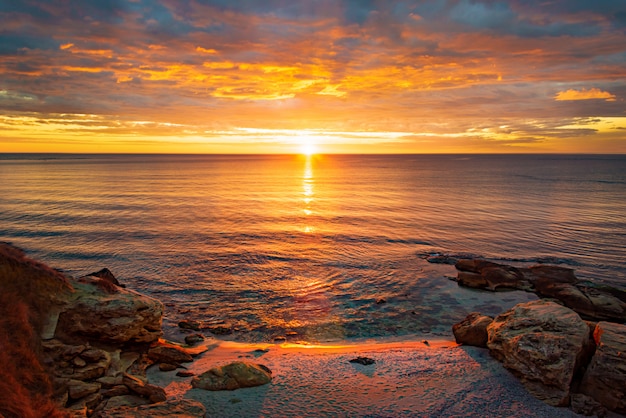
[(542, 343), (605, 378)]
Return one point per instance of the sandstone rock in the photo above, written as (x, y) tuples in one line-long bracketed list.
[(78, 389), (123, 401), (472, 330), (471, 279), (151, 392), (233, 376), (605, 378), (185, 373), (90, 371), (115, 318), (366, 361), (165, 367), (169, 354), (119, 390), (194, 339), (183, 408), (106, 274), (193, 325), (108, 382), (542, 343), (586, 405)]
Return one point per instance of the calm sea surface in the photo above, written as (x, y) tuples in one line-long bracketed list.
[(265, 246)]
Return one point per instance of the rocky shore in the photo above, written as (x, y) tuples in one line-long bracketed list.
[(568, 348), (83, 347)]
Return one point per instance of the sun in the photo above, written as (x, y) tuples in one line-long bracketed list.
[(307, 144)]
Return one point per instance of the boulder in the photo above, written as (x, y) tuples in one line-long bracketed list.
[(169, 354), (182, 408), (542, 343), (605, 377), (151, 392), (233, 376), (96, 313), (472, 330)]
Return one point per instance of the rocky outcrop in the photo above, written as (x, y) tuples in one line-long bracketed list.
[(233, 376), (86, 343), (472, 330), (98, 310), (591, 301), (605, 378), (542, 343)]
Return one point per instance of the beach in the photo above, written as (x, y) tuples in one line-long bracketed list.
[(412, 378)]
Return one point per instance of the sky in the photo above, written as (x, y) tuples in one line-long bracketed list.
[(327, 76)]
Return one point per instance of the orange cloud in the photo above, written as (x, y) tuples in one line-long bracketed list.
[(584, 94)]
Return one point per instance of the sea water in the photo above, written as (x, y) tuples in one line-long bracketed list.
[(316, 248)]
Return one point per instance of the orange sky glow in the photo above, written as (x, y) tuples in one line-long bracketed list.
[(286, 76)]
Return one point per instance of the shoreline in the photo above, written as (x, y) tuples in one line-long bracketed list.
[(409, 378)]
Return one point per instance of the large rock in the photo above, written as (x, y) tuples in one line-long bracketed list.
[(542, 343), (472, 330), (233, 376), (605, 378), (100, 311)]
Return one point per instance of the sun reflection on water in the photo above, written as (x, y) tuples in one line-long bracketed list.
[(308, 193)]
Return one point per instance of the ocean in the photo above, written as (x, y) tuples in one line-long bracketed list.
[(318, 248)]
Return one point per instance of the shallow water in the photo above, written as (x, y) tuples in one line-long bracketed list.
[(266, 245)]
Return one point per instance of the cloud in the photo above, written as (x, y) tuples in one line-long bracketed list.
[(584, 94)]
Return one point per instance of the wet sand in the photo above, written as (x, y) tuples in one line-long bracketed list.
[(411, 378)]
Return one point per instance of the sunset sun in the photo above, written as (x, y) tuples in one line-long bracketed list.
[(308, 144)]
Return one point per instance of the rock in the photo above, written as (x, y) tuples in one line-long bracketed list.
[(233, 376), (123, 401), (193, 325), (119, 390), (194, 339), (280, 339), (542, 343), (151, 392), (109, 382), (92, 355), (78, 389), (363, 360), (586, 405), (472, 330), (169, 354), (113, 318), (90, 371), (591, 301), (471, 279), (106, 274), (220, 330), (165, 367), (182, 408), (605, 378), (185, 373), (380, 301)]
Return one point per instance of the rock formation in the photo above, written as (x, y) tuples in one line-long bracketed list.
[(86, 342), (591, 301), (559, 358), (472, 330)]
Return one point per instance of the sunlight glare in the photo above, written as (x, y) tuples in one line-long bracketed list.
[(307, 144)]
